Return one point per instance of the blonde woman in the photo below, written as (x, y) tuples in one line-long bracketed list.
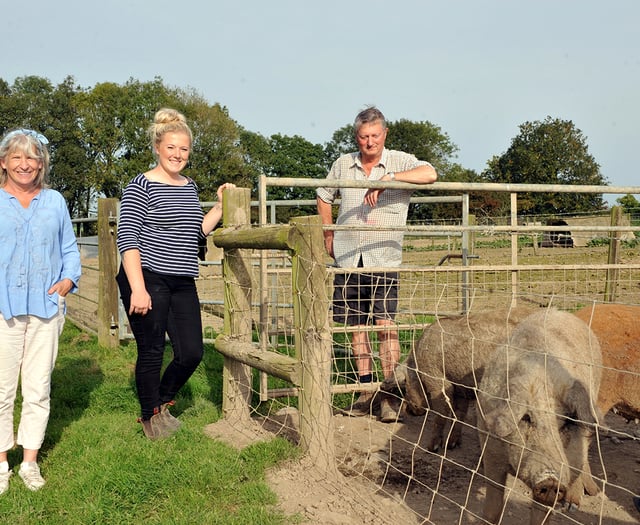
[(161, 223)]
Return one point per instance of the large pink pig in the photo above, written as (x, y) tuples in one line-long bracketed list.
[(537, 411)]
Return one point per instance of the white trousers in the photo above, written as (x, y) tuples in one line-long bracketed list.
[(28, 352)]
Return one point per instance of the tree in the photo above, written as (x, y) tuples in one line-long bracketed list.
[(549, 152), (69, 163), (342, 141), (114, 121), (631, 206), (33, 102), (426, 141), (295, 157), (26, 104), (216, 155), (98, 137), (256, 152), (629, 203), (482, 204), (284, 156)]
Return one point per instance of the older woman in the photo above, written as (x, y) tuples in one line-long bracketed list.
[(39, 266)]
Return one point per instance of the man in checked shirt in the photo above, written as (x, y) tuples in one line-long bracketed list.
[(362, 298)]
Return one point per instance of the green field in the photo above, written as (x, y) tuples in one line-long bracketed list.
[(100, 469)]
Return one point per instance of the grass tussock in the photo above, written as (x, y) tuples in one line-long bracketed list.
[(100, 469)]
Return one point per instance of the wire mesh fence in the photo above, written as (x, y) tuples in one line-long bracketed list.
[(447, 484)]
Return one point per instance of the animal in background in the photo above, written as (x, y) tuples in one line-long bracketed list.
[(617, 328), (537, 412)]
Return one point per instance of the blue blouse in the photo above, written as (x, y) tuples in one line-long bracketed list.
[(38, 248)]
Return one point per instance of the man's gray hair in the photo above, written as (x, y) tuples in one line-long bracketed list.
[(368, 116)]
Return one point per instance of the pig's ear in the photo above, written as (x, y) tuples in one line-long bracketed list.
[(579, 402), (499, 422)]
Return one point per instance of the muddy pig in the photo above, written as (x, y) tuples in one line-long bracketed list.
[(617, 328), (537, 412), (618, 331), (446, 364)]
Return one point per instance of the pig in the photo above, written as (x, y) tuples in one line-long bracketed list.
[(537, 412), (446, 364), (618, 331), (617, 328)]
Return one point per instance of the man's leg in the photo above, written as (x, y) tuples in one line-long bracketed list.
[(385, 307), (351, 303), (361, 348), (366, 402), (389, 347)]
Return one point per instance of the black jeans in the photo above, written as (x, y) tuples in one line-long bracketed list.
[(176, 312)]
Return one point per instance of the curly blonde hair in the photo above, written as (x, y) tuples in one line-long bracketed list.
[(167, 120)]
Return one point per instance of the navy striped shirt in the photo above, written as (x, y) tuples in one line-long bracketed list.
[(164, 222)]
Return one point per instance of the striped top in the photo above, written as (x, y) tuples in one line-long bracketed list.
[(164, 222)]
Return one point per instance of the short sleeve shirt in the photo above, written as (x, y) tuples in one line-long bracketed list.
[(377, 247)]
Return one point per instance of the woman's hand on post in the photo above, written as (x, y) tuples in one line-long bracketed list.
[(222, 187)]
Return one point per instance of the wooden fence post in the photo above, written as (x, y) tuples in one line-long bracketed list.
[(236, 271), (108, 334), (614, 256), (313, 341), (310, 370)]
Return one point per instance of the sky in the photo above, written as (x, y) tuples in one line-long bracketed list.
[(477, 69)]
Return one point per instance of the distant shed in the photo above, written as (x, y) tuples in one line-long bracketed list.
[(570, 238), (581, 238)]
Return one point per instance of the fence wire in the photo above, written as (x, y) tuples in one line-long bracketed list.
[(446, 485)]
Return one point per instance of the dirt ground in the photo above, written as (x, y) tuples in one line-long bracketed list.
[(385, 478)]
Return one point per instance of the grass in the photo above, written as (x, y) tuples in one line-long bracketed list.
[(100, 469)]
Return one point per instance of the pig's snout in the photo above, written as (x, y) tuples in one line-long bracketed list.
[(549, 491), (416, 410)]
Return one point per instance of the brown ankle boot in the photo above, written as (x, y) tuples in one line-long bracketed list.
[(157, 427), (390, 409), (366, 404), (170, 421)]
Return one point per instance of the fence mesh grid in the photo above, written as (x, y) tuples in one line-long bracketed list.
[(444, 485)]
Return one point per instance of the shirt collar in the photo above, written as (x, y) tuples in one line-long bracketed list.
[(9, 196), (385, 157), (357, 159)]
